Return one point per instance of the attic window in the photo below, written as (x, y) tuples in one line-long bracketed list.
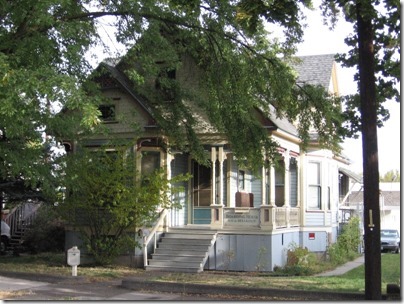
[(108, 113)]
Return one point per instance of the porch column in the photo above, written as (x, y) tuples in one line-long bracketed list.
[(213, 158), (169, 158), (298, 180), (220, 190), (287, 179), (267, 210), (287, 187), (217, 205), (263, 186)]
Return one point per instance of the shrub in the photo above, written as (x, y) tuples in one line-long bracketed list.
[(47, 233), (346, 247), (300, 262)]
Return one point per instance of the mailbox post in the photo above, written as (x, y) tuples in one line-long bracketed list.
[(73, 259)]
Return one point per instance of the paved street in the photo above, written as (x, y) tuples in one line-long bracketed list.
[(78, 289)]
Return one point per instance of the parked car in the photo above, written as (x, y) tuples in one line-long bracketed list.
[(390, 240), (5, 236)]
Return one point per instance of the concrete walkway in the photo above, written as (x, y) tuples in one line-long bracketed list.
[(343, 268)]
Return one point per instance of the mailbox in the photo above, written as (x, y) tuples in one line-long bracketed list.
[(73, 256)]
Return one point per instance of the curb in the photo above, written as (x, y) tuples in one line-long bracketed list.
[(47, 278), (139, 284)]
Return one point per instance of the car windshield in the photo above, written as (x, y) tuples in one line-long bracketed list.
[(389, 233)]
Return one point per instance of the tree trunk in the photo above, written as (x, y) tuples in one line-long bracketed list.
[(367, 90)]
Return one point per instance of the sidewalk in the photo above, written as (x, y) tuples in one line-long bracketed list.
[(343, 268)]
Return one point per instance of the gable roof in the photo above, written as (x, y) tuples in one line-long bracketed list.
[(314, 69), (391, 198), (111, 64)]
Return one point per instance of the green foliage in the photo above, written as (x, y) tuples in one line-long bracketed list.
[(107, 199), (47, 234), (346, 247), (300, 262), (44, 67), (222, 88), (391, 176)]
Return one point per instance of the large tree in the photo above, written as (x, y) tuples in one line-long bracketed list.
[(43, 69), (375, 52)]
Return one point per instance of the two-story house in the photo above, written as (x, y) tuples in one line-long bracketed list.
[(230, 217)]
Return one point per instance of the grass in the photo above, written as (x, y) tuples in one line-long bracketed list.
[(54, 264), (353, 281)]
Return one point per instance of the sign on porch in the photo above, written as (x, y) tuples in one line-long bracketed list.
[(248, 218)]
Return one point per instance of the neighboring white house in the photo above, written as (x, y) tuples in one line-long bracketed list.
[(390, 204)]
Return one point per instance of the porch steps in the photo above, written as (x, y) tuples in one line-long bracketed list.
[(182, 251)]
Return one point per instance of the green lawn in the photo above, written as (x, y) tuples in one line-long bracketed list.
[(353, 281), (391, 265)]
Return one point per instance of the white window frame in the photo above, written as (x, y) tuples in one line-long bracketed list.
[(314, 199)]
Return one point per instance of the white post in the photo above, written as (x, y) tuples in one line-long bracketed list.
[(74, 271)]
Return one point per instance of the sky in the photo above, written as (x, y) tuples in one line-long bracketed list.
[(319, 40)]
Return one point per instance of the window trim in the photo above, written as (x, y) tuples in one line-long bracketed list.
[(312, 186)]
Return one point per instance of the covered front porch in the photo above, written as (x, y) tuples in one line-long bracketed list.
[(225, 195)]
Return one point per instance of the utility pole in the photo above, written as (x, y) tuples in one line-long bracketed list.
[(368, 106)]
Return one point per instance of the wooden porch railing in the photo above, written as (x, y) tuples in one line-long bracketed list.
[(266, 217), (161, 222)]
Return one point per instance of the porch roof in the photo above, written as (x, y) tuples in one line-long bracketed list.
[(351, 174)]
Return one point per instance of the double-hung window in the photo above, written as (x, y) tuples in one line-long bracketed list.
[(314, 183)]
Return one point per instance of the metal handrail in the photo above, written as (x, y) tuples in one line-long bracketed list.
[(147, 238)]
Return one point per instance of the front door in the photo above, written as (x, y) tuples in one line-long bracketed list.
[(201, 193)]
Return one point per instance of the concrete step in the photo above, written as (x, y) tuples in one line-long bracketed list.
[(167, 263), (182, 246), (176, 258), (179, 252), (189, 236), (190, 242), (174, 269)]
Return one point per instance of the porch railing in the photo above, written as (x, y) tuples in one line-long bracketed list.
[(266, 217), (21, 217), (161, 222)]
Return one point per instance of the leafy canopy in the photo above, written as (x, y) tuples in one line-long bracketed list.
[(43, 68)]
